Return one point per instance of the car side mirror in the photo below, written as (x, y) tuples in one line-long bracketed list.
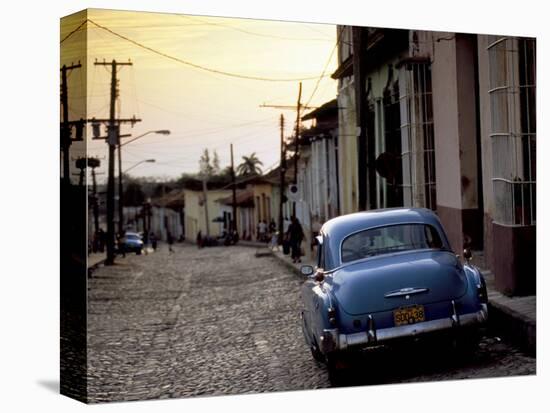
[(307, 270), (467, 254)]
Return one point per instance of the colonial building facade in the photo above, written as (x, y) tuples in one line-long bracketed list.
[(444, 121)]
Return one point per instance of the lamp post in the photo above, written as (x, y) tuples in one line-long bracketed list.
[(120, 145), (160, 132), (120, 203), (138, 163)]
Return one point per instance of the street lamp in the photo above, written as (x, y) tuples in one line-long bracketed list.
[(139, 163), (160, 132), (120, 203), (119, 146)]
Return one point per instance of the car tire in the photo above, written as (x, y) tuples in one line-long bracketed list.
[(466, 345), (335, 370), (138, 252), (316, 353)]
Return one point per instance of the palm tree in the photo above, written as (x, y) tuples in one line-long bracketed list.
[(249, 165)]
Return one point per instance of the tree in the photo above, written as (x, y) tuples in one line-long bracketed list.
[(133, 194), (249, 165), (216, 164), (209, 166)]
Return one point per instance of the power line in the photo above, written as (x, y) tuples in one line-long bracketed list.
[(74, 31), (338, 40), (207, 132), (196, 66), (254, 33), (322, 75)]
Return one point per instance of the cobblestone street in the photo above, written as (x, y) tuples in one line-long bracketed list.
[(222, 321)]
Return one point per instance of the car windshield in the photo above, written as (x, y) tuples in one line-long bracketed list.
[(394, 238), (132, 236)]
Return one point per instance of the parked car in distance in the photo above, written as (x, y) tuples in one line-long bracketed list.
[(387, 276), (131, 242)]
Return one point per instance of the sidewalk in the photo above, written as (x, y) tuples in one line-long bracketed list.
[(96, 259), (513, 317)]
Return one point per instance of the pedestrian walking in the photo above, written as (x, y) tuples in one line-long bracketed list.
[(274, 243), (262, 229), (153, 239), (295, 237), (170, 240), (272, 226), (199, 239)]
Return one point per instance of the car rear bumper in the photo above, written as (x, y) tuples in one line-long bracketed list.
[(333, 340)]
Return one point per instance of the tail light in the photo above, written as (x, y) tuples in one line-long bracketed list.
[(482, 292), (332, 316)]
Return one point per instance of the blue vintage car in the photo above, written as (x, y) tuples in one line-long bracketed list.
[(385, 276)]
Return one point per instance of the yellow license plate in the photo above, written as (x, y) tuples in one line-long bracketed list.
[(408, 315)]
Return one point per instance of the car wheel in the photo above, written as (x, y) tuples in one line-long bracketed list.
[(316, 353), (335, 369), (466, 345), (138, 252)]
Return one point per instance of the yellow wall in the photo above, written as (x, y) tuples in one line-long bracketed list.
[(263, 211), (195, 214)]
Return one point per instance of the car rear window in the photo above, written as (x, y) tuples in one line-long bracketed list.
[(394, 238)]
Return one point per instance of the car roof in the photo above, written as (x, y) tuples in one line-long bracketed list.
[(376, 217), (336, 229)]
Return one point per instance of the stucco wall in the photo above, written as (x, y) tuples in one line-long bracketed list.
[(446, 122), (195, 214), (347, 141), (485, 124)]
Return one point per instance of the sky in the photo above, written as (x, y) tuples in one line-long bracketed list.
[(201, 107)]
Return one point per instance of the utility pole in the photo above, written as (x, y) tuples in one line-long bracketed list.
[(298, 107), (94, 163), (113, 139), (282, 171), (234, 220), (66, 125), (205, 195), (297, 144), (120, 205), (81, 164)]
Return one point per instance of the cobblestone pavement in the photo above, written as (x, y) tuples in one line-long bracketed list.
[(222, 321)]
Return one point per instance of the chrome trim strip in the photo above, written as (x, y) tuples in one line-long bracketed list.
[(406, 291), (411, 330)]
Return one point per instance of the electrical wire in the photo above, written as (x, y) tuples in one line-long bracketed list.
[(254, 33), (322, 75), (74, 31), (196, 66), (338, 40)]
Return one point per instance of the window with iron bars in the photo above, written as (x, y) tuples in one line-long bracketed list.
[(417, 135), (512, 86)]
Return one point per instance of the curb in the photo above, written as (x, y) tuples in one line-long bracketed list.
[(293, 267), (514, 326)]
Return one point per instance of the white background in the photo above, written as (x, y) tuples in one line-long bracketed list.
[(29, 206)]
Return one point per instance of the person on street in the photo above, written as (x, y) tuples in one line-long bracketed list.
[(120, 244), (199, 239), (153, 239), (262, 229), (272, 226), (170, 240), (295, 236)]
